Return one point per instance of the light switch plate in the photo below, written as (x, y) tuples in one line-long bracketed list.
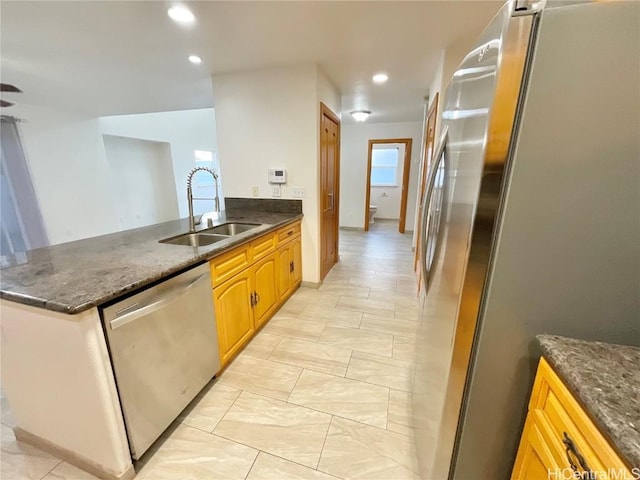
[(297, 192), (276, 190), (254, 190)]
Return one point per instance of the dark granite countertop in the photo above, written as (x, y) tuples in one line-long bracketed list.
[(605, 379), (75, 276)]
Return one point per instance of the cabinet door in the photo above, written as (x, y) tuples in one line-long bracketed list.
[(535, 459), (233, 314), (266, 289), (283, 256), (296, 256)]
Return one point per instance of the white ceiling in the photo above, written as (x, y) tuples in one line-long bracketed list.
[(118, 57)]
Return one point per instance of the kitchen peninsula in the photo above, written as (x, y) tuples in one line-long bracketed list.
[(57, 373)]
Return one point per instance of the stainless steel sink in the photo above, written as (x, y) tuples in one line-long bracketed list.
[(194, 239), (232, 228)]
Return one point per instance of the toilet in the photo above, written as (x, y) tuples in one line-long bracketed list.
[(372, 211)]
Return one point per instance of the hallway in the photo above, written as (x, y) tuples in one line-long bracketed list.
[(322, 392)]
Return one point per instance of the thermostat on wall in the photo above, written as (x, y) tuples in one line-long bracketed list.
[(277, 175)]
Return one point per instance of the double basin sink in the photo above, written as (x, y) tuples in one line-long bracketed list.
[(210, 235)]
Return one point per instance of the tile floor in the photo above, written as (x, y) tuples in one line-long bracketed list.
[(322, 392)]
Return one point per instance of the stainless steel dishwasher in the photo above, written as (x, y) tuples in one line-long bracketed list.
[(164, 348)]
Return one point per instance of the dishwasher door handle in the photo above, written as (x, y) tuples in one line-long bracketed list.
[(152, 306)]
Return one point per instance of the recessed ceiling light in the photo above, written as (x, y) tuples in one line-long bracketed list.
[(195, 59), (181, 14), (360, 115), (380, 78)]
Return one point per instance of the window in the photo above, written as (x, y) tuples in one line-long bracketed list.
[(384, 167)]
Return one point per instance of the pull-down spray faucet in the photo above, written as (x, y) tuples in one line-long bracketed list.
[(190, 199)]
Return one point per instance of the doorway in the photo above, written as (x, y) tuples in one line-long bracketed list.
[(329, 188), (388, 167)]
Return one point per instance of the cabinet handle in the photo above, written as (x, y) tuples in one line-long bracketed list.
[(290, 232), (291, 266), (256, 296), (253, 301), (572, 452)]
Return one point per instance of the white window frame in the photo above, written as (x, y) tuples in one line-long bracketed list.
[(394, 168)]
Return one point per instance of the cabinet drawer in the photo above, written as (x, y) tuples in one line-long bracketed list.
[(263, 246), (564, 414), (288, 232), (228, 264)]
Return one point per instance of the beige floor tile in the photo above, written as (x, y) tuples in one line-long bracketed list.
[(404, 348), (356, 451), (343, 397), (348, 290), (293, 306), (293, 326), (322, 358), (374, 284), (403, 277), (368, 341), (389, 324), (387, 372), (21, 461), (399, 419), (261, 376), (191, 454), (365, 305), (394, 297), (407, 311), (65, 471), (332, 316), (262, 345), (269, 467), (288, 431), (315, 296), (209, 406)]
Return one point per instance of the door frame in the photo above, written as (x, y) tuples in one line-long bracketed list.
[(405, 179), (324, 110)]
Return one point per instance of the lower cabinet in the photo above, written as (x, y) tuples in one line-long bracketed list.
[(559, 440), (289, 267), (251, 283), (234, 313), (265, 297)]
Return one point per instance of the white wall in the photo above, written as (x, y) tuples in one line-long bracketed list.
[(270, 118), (143, 182), (388, 198), (353, 167), (57, 377), (69, 170), (185, 131)]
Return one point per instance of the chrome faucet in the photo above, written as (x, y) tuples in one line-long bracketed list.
[(190, 199)]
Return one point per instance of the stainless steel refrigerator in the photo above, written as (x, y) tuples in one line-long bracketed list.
[(531, 222)]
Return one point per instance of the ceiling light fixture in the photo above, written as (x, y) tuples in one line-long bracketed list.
[(195, 59), (181, 14), (380, 78), (360, 115)]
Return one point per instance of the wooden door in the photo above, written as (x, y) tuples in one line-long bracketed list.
[(430, 138), (329, 188), (296, 257), (234, 315), (283, 261), (264, 274)]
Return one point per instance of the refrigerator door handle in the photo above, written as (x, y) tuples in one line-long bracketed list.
[(431, 182)]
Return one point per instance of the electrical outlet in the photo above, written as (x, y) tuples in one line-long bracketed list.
[(276, 191), (297, 192), (254, 190)]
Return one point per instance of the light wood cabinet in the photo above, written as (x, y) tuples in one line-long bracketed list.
[(289, 267), (559, 440), (234, 314), (250, 282), (265, 295)]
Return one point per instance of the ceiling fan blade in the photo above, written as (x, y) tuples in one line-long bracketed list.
[(4, 103), (7, 87)]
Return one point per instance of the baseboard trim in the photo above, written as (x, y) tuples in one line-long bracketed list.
[(71, 457), (354, 229), (315, 285)]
